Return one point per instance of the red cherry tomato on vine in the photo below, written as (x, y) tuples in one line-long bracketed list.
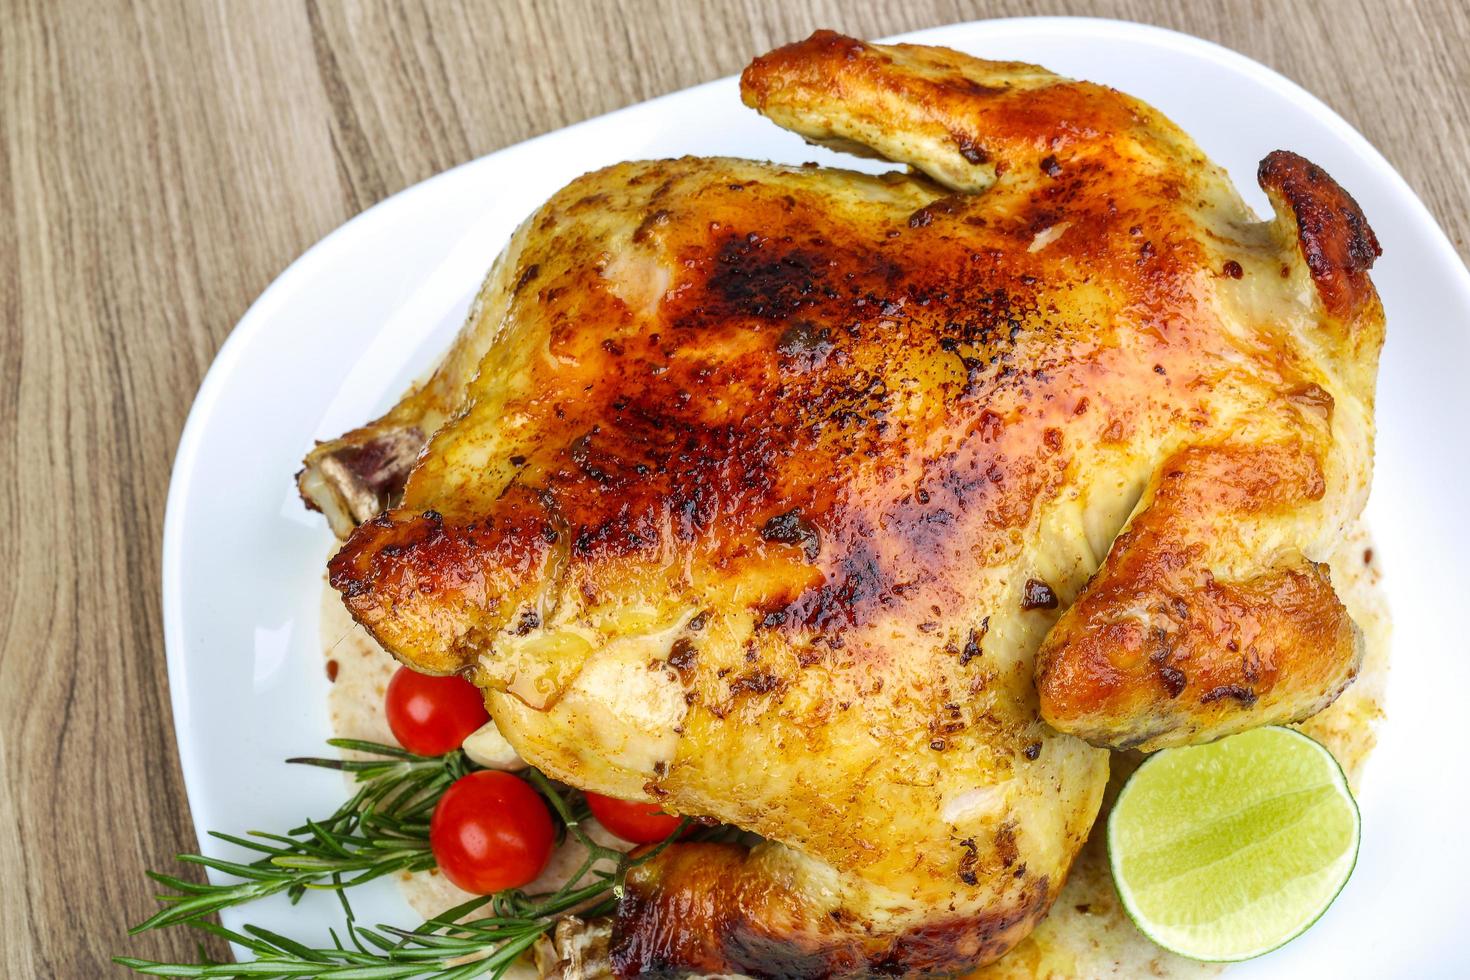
[(433, 715), (491, 831), (637, 823)]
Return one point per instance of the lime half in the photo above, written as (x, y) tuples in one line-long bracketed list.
[(1228, 850)]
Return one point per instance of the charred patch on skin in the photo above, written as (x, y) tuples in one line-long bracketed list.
[(682, 656), (1005, 844), (969, 148), (925, 216), (851, 594), (792, 528), (804, 346), (756, 278), (756, 682), (973, 647), (527, 276), (1037, 595), (1173, 680), (528, 621), (1238, 692), (967, 862), (645, 227)]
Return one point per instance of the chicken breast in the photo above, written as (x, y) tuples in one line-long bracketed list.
[(850, 509)]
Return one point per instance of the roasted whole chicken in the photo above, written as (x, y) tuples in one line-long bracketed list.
[(865, 513)]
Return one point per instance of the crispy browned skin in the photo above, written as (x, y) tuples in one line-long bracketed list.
[(1334, 236), (1157, 650), (701, 908), (769, 483)]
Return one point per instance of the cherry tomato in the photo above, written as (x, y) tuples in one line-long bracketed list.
[(491, 831), (637, 823), (433, 715)]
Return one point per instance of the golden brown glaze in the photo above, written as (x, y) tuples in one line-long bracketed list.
[(1335, 238), (1158, 651), (767, 484), (702, 907)]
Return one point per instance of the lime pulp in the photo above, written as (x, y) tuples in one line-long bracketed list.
[(1229, 850)]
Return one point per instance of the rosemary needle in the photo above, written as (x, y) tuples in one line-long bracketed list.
[(381, 829)]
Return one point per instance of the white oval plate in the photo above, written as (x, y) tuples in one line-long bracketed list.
[(344, 330)]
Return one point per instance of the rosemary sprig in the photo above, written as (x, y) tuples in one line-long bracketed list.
[(444, 947), (382, 829)]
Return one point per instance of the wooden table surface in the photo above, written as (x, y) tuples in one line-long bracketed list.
[(161, 163)]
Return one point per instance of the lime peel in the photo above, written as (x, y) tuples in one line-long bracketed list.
[(1226, 851)]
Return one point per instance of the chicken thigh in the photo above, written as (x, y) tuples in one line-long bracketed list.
[(858, 511)]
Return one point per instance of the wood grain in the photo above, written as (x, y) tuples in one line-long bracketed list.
[(161, 162)]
